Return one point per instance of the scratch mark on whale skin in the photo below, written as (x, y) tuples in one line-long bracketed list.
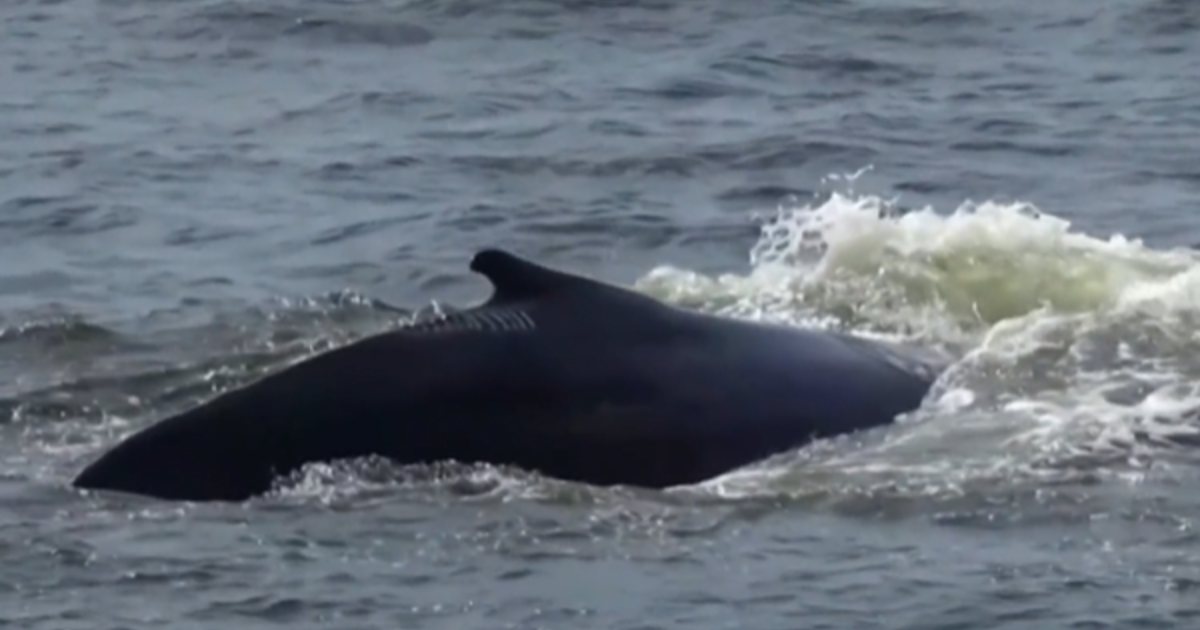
[(489, 321)]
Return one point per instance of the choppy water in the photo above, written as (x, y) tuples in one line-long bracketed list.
[(195, 193)]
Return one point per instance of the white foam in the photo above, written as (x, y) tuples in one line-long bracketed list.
[(1075, 347)]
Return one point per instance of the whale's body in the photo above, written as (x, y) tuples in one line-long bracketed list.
[(555, 373)]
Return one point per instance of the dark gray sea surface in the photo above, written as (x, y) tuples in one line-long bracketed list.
[(194, 194)]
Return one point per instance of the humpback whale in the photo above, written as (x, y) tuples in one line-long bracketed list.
[(556, 373)]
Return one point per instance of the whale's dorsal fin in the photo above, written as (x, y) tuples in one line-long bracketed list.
[(514, 278), (526, 296)]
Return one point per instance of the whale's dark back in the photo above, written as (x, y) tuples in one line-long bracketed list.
[(556, 373)]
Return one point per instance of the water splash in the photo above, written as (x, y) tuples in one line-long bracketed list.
[(1077, 351)]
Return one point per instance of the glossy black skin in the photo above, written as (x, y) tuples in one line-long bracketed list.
[(592, 383)]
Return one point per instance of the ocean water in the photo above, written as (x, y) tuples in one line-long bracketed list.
[(193, 194)]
